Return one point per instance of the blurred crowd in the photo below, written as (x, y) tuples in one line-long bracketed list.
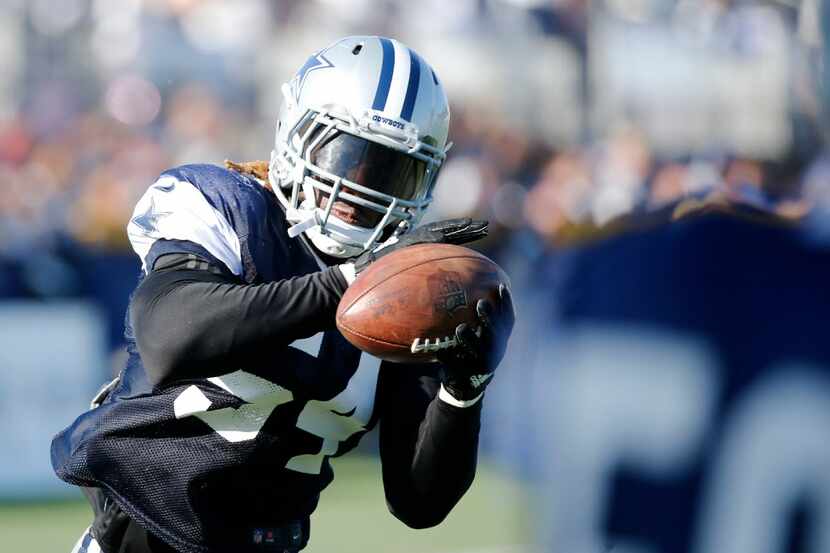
[(549, 144)]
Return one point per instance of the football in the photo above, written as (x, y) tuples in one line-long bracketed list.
[(406, 305)]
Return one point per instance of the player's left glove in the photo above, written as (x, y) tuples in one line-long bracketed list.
[(450, 231), (469, 367)]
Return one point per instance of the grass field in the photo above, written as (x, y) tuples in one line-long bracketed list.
[(352, 517)]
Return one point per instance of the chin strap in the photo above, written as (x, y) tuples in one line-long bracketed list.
[(302, 221)]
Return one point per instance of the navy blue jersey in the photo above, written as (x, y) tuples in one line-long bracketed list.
[(203, 463), (688, 395)]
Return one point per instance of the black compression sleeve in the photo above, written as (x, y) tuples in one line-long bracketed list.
[(428, 448), (197, 324)]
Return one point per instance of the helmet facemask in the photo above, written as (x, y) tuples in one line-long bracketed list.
[(361, 136), (335, 164)]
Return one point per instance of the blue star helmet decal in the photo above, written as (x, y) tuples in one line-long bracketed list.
[(316, 61)]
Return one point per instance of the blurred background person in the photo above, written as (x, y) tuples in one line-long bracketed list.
[(682, 391)]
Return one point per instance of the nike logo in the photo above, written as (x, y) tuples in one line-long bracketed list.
[(346, 414), (478, 379)]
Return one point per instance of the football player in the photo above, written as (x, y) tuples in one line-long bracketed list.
[(217, 434)]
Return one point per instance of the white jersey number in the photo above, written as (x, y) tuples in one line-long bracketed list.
[(332, 421)]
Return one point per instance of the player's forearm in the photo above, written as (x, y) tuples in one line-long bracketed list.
[(424, 480), (195, 324)]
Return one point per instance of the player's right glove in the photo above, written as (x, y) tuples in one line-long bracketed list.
[(469, 367), (450, 231)]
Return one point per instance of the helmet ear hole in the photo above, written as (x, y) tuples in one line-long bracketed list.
[(356, 50)]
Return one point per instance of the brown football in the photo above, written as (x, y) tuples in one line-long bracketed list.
[(405, 306)]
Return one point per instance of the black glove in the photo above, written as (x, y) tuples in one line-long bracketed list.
[(468, 367), (451, 231)]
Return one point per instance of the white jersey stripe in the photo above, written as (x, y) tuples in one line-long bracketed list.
[(400, 80), (93, 547)]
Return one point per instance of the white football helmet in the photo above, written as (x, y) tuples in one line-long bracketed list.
[(361, 134)]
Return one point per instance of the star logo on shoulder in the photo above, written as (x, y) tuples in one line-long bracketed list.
[(148, 221)]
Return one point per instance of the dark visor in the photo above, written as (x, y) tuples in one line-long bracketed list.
[(371, 165)]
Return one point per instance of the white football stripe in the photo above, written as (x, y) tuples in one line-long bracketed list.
[(400, 80)]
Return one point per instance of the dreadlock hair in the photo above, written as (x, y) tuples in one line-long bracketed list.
[(256, 169)]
